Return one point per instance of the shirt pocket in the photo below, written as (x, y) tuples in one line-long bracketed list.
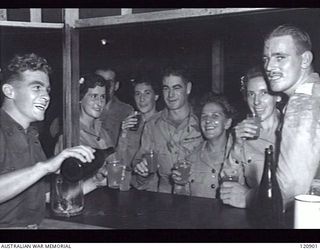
[(202, 184), (191, 142)]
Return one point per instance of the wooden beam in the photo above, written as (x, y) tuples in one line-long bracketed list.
[(71, 127), (161, 16), (3, 14), (126, 11), (31, 25), (35, 15), (217, 63)]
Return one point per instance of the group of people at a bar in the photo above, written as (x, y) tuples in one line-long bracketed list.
[(210, 143)]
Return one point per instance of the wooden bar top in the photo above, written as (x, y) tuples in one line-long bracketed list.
[(135, 209)]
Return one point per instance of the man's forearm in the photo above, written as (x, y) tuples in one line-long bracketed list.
[(13, 183)]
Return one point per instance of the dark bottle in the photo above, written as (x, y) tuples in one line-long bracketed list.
[(269, 204), (74, 170)]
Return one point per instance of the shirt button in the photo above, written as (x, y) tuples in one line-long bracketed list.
[(213, 185), (213, 170), (192, 181)]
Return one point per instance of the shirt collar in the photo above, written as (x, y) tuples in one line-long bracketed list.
[(307, 86), (165, 114), (9, 124), (97, 126)]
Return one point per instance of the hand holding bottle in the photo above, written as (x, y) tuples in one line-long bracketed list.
[(82, 153)]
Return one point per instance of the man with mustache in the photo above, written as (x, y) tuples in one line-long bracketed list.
[(25, 92), (288, 63), (172, 134)]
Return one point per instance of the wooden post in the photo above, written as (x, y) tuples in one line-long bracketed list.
[(217, 66), (35, 15), (70, 79), (126, 11), (3, 14)]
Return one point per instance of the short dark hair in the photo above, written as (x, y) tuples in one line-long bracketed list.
[(143, 79), (89, 81), (177, 71), (20, 63), (300, 37), (228, 110), (108, 69), (251, 73)]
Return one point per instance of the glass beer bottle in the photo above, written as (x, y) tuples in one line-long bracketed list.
[(72, 169), (269, 204)]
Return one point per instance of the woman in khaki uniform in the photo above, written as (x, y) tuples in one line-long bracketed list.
[(247, 152), (93, 89), (207, 159)]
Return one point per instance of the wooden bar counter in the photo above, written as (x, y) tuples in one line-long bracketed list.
[(113, 209)]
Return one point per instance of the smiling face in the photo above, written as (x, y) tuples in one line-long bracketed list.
[(93, 102), (258, 98), (175, 92), (214, 122), (145, 98), (28, 96), (283, 64)]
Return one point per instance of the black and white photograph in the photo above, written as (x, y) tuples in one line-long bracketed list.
[(154, 121)]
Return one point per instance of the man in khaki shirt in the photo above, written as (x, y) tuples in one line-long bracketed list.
[(288, 63), (171, 135), (115, 111)]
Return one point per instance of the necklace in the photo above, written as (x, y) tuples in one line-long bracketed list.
[(98, 138)]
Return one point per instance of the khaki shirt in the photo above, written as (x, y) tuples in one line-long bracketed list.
[(249, 158), (170, 144), (113, 116), (300, 140), (129, 143), (205, 171)]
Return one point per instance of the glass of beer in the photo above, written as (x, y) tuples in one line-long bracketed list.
[(184, 168), (230, 174), (116, 172), (67, 198), (138, 116), (256, 120), (152, 161)]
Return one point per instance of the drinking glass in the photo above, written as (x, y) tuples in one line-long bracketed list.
[(67, 197), (257, 122), (315, 187), (115, 173), (230, 174), (152, 161), (183, 167)]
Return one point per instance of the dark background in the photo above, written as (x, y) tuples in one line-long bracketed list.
[(150, 47)]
